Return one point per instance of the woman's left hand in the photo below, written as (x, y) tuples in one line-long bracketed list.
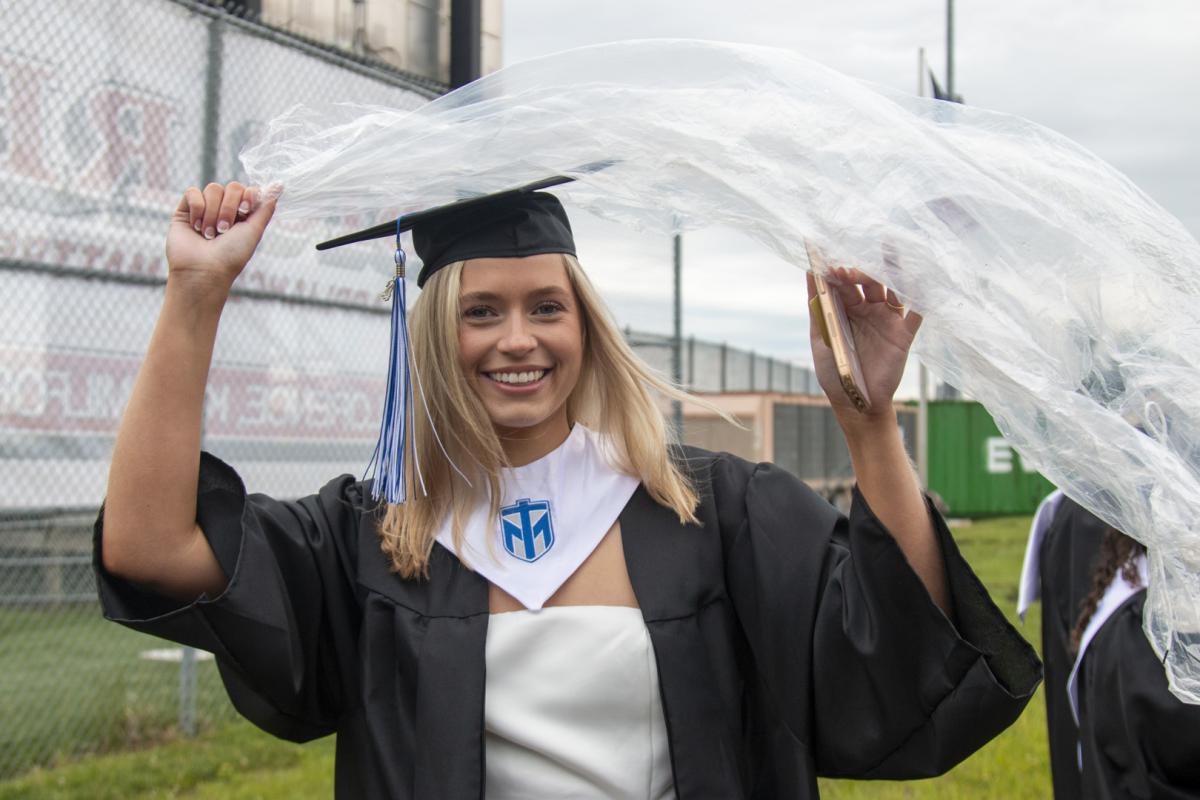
[(883, 333)]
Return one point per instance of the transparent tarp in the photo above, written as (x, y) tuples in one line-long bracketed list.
[(1054, 290)]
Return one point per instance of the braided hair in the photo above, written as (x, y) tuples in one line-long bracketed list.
[(1117, 552)]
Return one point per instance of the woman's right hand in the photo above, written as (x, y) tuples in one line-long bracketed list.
[(212, 235)]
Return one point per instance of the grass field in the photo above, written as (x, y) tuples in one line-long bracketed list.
[(236, 761), (72, 683)]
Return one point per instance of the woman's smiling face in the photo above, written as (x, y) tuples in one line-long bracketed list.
[(520, 340)]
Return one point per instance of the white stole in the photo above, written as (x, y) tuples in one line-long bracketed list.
[(1031, 570), (553, 514), (1117, 593)]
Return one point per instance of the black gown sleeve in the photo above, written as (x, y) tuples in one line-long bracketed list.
[(1138, 739), (859, 663), (284, 631)]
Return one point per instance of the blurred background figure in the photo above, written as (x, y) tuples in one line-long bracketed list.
[(1063, 542)]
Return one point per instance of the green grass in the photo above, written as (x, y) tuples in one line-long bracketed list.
[(236, 762), (72, 683)]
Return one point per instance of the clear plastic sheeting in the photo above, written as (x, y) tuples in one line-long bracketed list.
[(1054, 290)]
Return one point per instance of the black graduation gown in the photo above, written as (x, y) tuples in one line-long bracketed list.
[(1138, 740), (790, 641), (1068, 555)]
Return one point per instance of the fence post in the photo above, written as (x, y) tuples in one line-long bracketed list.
[(752, 365), (212, 100), (923, 426), (691, 363), (677, 337), (187, 692), (724, 355)]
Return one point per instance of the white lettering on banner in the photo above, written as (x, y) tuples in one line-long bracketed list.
[(22, 391), (37, 397), (216, 406), (999, 457), (302, 407), (74, 393), (254, 412)]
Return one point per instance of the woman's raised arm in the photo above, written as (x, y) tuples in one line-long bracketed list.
[(150, 532), (883, 335)]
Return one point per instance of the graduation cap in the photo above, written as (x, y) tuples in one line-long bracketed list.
[(517, 222), (513, 223)]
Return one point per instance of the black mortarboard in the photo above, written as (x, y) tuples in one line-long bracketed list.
[(509, 224)]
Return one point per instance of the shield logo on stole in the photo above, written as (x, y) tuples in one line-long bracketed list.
[(527, 529)]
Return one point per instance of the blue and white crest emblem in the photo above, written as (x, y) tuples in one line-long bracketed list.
[(527, 529)]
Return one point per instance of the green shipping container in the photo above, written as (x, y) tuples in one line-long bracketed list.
[(973, 468)]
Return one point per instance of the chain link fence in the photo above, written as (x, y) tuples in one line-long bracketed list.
[(107, 110), (713, 367)]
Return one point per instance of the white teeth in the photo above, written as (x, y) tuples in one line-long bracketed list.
[(518, 378)]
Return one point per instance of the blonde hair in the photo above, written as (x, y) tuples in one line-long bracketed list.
[(614, 396)]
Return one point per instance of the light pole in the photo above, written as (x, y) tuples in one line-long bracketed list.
[(922, 372), (950, 48)]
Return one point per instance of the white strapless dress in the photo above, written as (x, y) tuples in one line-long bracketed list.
[(572, 707)]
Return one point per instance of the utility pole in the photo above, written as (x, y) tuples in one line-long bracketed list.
[(950, 48), (949, 392), (922, 372), (921, 72)]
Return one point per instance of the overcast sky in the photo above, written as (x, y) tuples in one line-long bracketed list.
[(1121, 78)]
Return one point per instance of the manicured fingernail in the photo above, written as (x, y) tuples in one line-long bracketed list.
[(209, 233), (196, 225), (222, 226), (244, 208)]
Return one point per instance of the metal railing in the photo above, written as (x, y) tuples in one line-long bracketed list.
[(719, 367)]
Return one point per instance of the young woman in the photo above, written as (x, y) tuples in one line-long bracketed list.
[(1136, 739), (710, 628)]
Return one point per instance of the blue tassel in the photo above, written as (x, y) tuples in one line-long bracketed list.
[(387, 464), (387, 461)]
